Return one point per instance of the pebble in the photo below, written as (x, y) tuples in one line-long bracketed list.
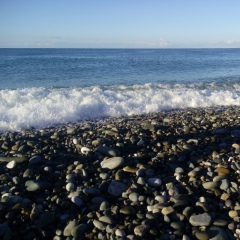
[(141, 230), (69, 228), (134, 196), (203, 219), (217, 233), (35, 159), (34, 185), (116, 188), (210, 185), (112, 163), (155, 182), (169, 175), (108, 151), (77, 200), (11, 164)]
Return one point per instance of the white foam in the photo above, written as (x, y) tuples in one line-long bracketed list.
[(40, 107)]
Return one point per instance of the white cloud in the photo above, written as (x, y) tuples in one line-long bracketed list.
[(233, 42), (162, 42)]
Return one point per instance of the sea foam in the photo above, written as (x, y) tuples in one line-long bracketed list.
[(42, 107)]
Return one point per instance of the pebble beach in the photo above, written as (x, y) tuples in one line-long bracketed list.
[(172, 175)]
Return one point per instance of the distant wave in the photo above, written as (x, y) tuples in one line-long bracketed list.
[(41, 107)]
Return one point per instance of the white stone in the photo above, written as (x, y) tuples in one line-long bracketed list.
[(11, 164), (85, 150)]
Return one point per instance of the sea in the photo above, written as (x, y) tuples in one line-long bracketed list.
[(46, 87)]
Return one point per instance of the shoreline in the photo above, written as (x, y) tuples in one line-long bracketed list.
[(154, 176)]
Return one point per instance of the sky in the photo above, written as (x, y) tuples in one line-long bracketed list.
[(119, 24)]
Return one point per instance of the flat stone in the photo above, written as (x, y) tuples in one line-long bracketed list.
[(203, 219), (116, 188), (9, 159), (112, 163), (220, 223)]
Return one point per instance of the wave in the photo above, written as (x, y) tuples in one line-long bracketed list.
[(42, 107)]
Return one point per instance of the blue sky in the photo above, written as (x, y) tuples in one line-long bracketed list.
[(120, 24)]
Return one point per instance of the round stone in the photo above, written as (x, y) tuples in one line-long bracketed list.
[(77, 200), (155, 182), (200, 219), (133, 197), (116, 188)]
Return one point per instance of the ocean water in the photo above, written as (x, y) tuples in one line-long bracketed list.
[(44, 87)]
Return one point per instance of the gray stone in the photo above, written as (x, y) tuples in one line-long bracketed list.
[(108, 151), (112, 163), (35, 160), (155, 182), (77, 200), (92, 191), (133, 196), (116, 188), (217, 233), (203, 219)]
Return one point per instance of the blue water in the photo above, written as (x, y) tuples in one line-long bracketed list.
[(41, 87)]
